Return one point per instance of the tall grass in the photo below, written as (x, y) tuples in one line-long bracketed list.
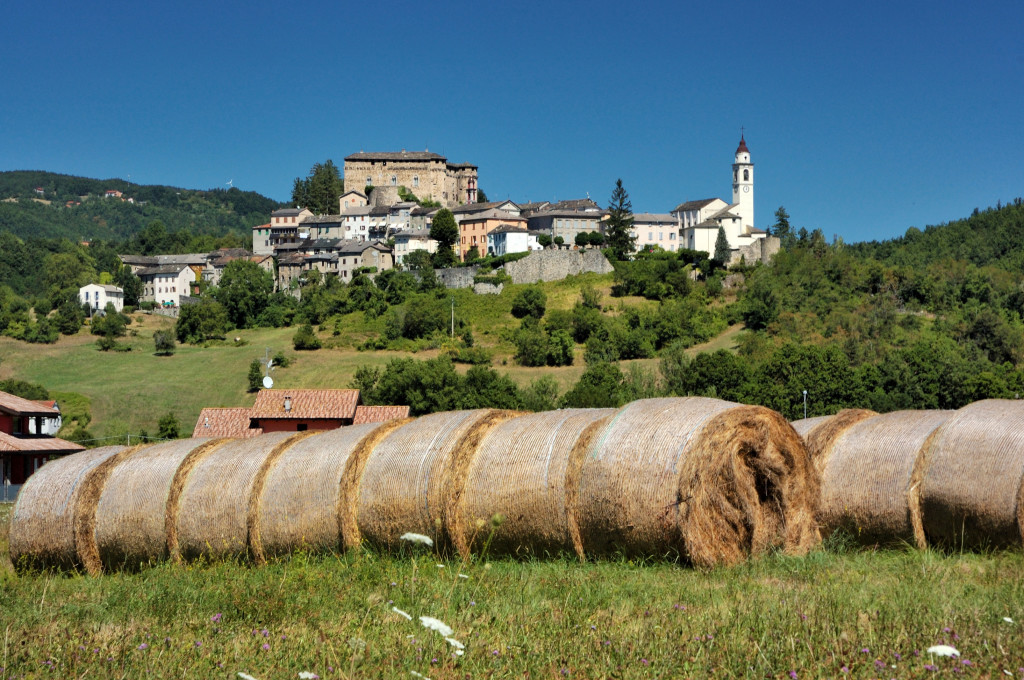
[(836, 613)]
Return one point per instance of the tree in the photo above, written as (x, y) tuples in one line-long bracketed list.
[(529, 302), (130, 284), (618, 229), (201, 321), (255, 376), (782, 229), (596, 239), (320, 190), (164, 343), (722, 248), (305, 338), (244, 290), (582, 239), (544, 240), (69, 317), (168, 427), (445, 231), (481, 197)]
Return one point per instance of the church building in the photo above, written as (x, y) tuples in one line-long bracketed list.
[(699, 221)]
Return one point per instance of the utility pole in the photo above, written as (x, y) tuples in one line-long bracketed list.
[(453, 316), (805, 404)]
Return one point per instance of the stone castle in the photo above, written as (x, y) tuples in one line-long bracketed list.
[(428, 175)]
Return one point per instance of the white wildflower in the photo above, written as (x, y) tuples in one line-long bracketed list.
[(1007, 672), (455, 643), (306, 675), (463, 576), (401, 613), (245, 676), (440, 566), (435, 624), (417, 538), (418, 675), (943, 650), (1007, 619)]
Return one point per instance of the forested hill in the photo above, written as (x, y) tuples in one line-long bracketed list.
[(76, 207), (991, 237)]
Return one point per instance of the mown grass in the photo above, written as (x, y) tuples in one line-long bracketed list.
[(831, 614)]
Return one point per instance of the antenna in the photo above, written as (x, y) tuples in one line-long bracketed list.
[(268, 365)]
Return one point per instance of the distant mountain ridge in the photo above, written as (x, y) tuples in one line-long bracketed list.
[(36, 203)]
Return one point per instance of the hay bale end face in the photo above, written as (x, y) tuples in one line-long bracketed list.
[(304, 498), (819, 434), (43, 526), (708, 479), (130, 514), (971, 488), (870, 485), (213, 510), (523, 472)]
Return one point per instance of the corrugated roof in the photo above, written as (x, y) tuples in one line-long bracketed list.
[(329, 404), (22, 407), (225, 422), (379, 414), (33, 444)]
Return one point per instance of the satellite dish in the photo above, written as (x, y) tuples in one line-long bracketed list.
[(268, 382)]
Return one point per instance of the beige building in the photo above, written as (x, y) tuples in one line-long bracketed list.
[(473, 229), (428, 175)]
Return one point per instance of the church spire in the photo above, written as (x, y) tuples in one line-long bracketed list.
[(742, 148)]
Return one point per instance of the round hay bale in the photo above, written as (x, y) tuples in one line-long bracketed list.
[(409, 475), (48, 526), (819, 434), (713, 481), (213, 509), (307, 497), (522, 472), (131, 522), (972, 477), (870, 485)]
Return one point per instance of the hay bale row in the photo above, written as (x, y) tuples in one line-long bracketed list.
[(702, 478)]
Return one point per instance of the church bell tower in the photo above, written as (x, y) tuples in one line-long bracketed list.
[(743, 186)]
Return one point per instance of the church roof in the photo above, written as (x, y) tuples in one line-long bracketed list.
[(742, 148), (694, 205)]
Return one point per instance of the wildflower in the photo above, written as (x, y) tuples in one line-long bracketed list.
[(393, 583), (593, 628), (844, 669), (440, 566), (897, 656), (565, 671), (245, 676), (644, 661), (472, 603), (943, 650), (216, 617), (1006, 671), (947, 630), (879, 663), (417, 538), (306, 675), (418, 675), (1007, 619), (265, 633), (792, 674), (966, 662), (930, 667), (143, 646), (435, 624), (455, 643), (463, 576), (401, 613), (265, 647), (198, 644), (865, 650), (434, 660)]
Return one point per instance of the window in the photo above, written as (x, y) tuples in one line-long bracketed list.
[(672, 236), (301, 427), (746, 175), (415, 180), (394, 180), (661, 236), (650, 236)]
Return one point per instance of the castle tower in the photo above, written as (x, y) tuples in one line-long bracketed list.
[(743, 186)]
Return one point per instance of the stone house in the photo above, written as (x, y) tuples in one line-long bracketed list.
[(411, 240), (166, 284), (427, 175)]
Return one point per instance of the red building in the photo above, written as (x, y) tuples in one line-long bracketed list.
[(22, 451)]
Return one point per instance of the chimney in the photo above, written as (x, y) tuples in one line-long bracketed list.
[(287, 404)]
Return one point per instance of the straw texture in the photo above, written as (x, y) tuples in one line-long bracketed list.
[(521, 473), (42, 531), (406, 478), (971, 483), (822, 434), (130, 528), (868, 485), (302, 494), (713, 481), (213, 513)]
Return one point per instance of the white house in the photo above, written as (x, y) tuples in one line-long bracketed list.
[(48, 426), (411, 240), (166, 284), (507, 238), (97, 295)]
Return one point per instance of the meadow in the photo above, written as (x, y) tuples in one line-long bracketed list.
[(835, 613)]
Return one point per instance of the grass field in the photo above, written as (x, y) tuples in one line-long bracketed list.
[(131, 391), (833, 614)]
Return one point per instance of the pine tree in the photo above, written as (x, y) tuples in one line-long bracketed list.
[(255, 376), (320, 190), (618, 229), (445, 231), (722, 250)]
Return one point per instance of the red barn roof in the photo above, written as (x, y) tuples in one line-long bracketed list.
[(306, 404), (379, 414), (225, 422)]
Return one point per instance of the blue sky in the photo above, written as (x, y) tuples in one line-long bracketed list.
[(862, 119)]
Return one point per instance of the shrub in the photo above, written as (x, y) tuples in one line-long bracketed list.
[(305, 338), (529, 302), (164, 343)]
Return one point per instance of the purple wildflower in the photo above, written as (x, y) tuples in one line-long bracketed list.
[(644, 661), (198, 644), (216, 617), (143, 646), (844, 669), (792, 674), (265, 633), (265, 647), (865, 651), (930, 667)]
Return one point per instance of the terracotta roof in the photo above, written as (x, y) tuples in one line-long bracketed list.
[(33, 444), (330, 404), (18, 406), (224, 422), (379, 414), (262, 226), (480, 207), (48, 403), (742, 148)]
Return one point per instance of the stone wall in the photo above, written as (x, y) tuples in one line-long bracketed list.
[(555, 265), (457, 277), (761, 250)]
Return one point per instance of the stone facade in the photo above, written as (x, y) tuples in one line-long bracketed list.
[(428, 175), (762, 250)]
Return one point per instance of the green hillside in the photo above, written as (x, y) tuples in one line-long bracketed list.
[(76, 208)]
